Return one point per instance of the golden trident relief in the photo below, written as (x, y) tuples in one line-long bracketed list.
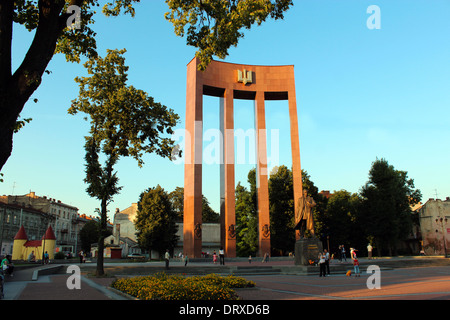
[(245, 76)]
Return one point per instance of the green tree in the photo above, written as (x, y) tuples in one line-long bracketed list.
[(339, 220), (386, 206), (212, 27), (208, 214), (177, 200), (246, 222), (88, 235), (155, 221), (281, 201), (125, 122)]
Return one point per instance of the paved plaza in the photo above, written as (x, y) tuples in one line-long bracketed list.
[(426, 283), (431, 282)]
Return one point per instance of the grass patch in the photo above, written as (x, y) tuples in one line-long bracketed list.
[(177, 287)]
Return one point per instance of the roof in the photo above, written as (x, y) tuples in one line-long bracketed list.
[(21, 234), (33, 243), (49, 234)]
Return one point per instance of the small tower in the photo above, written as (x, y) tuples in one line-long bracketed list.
[(19, 244), (49, 243)]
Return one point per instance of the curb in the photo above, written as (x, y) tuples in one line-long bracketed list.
[(45, 271)]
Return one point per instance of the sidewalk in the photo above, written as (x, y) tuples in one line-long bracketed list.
[(54, 287)]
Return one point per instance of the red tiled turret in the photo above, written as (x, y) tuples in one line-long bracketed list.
[(49, 234), (21, 234)]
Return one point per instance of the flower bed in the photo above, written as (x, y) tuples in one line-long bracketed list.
[(176, 287)]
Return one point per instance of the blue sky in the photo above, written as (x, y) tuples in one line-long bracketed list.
[(361, 94)]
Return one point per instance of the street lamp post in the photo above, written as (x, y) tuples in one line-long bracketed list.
[(443, 222)]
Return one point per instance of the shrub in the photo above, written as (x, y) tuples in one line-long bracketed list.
[(60, 255), (176, 287)]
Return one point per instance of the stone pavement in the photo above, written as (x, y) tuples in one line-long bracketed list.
[(423, 279)]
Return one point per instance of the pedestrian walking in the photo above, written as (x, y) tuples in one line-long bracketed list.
[(46, 258), (186, 260), (355, 262), (321, 264), (249, 259), (369, 251), (215, 258), (343, 253), (222, 256), (167, 258), (327, 261)]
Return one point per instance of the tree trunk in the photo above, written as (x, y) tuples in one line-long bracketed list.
[(17, 88), (101, 242), (6, 138), (378, 245)]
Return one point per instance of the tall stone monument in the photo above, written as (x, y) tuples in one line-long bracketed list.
[(228, 82), (307, 247)]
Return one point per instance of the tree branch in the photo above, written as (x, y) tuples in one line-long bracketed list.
[(6, 28), (27, 77)]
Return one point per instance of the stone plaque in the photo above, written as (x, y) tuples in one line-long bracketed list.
[(307, 250)]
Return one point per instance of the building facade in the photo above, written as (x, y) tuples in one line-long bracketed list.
[(434, 218), (12, 217), (63, 218), (124, 234)]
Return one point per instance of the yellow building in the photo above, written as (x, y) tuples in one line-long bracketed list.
[(23, 247)]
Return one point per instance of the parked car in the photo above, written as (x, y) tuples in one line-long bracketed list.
[(136, 256)]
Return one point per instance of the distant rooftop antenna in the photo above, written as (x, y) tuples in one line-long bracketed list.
[(14, 187), (436, 193)]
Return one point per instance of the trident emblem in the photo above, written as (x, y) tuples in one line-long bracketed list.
[(245, 76)]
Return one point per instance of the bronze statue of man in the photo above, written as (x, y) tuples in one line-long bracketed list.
[(304, 218)]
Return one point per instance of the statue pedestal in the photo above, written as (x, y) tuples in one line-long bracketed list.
[(307, 249)]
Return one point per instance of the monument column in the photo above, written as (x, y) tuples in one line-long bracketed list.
[(262, 183), (228, 81), (295, 149), (227, 175), (192, 217)]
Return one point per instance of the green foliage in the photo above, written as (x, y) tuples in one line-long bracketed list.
[(213, 26), (387, 197), (155, 221), (125, 122), (339, 220), (72, 43), (59, 256), (21, 123), (89, 234), (177, 200), (208, 214), (176, 287), (381, 212), (246, 221), (281, 200)]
